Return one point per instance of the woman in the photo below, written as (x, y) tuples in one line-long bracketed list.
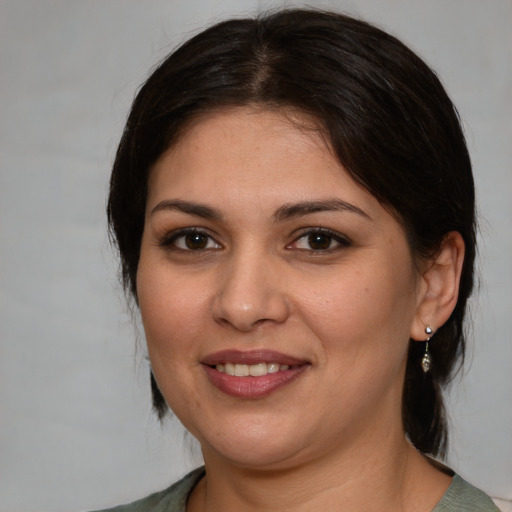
[(293, 204)]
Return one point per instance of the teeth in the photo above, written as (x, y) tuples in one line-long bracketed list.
[(241, 370), (254, 370), (272, 367)]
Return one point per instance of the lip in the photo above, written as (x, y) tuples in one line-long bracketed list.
[(251, 357), (252, 387)]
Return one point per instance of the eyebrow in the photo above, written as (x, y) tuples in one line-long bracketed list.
[(199, 210), (289, 211), (285, 212)]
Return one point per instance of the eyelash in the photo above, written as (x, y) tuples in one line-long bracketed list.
[(171, 239), (331, 236)]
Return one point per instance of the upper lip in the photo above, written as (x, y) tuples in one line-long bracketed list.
[(251, 357)]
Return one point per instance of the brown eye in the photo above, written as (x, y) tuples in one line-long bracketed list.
[(195, 241), (191, 240), (319, 241)]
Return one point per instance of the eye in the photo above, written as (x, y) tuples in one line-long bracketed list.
[(320, 240), (191, 240)]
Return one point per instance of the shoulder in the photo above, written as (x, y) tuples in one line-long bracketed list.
[(172, 499), (463, 496)]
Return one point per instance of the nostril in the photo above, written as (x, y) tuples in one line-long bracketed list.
[(248, 297)]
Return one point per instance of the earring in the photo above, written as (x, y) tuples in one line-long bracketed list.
[(426, 360)]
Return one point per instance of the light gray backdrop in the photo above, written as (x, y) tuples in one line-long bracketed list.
[(75, 425)]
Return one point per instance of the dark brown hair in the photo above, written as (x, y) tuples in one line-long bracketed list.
[(386, 116)]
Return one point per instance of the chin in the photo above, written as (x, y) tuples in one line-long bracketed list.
[(255, 445), (260, 459)]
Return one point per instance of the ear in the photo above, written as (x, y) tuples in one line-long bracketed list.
[(439, 286)]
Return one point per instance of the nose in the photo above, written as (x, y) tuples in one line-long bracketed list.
[(250, 293)]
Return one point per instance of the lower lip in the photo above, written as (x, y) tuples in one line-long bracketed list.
[(253, 387)]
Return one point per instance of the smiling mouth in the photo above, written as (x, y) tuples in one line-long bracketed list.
[(251, 370), (252, 374)]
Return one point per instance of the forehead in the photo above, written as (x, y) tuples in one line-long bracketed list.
[(249, 148), (227, 133)]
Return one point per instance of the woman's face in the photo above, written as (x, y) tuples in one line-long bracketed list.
[(262, 256)]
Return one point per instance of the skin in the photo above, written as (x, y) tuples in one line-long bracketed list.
[(256, 280)]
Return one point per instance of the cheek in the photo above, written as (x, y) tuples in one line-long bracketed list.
[(361, 312), (171, 310), (170, 315)]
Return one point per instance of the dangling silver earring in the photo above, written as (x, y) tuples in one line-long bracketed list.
[(426, 360)]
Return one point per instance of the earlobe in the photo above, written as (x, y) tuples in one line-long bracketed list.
[(439, 288)]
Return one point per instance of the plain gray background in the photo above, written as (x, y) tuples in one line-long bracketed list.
[(76, 430)]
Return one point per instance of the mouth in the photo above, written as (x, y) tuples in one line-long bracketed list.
[(253, 370), (253, 374)]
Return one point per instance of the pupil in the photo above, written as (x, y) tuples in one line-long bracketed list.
[(319, 242), (196, 241)]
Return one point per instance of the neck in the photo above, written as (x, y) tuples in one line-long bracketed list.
[(394, 477)]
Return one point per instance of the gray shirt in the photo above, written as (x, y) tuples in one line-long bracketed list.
[(460, 497)]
